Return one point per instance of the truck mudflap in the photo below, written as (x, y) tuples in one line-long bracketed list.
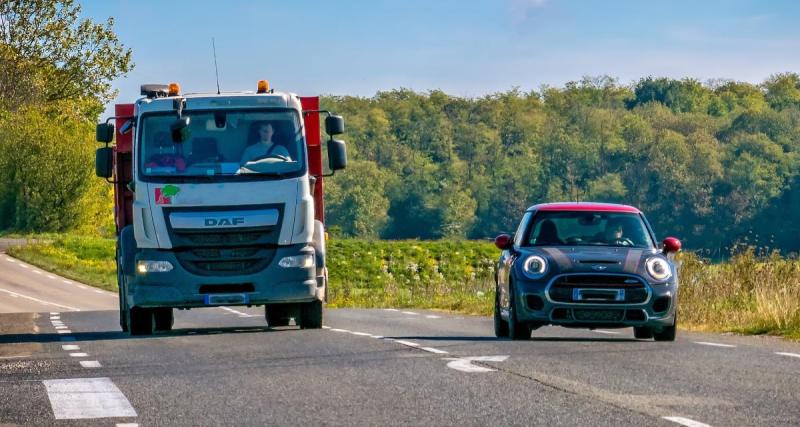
[(182, 288)]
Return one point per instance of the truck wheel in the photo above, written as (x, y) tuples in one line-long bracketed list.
[(642, 333), (141, 321), (311, 315), (668, 333), (500, 325), (123, 310), (516, 330), (277, 315), (164, 319)]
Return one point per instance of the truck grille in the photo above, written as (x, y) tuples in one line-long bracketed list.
[(562, 289), (225, 261)]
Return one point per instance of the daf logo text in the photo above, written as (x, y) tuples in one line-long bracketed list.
[(220, 222)]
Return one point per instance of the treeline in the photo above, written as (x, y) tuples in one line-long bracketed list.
[(55, 74), (712, 164)]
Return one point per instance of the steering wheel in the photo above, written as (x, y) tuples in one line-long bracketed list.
[(273, 156), (623, 242)]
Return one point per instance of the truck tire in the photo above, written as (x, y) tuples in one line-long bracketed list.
[(277, 315), (311, 315), (123, 315), (163, 318), (141, 321)]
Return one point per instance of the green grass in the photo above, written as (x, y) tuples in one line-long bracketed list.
[(748, 294)]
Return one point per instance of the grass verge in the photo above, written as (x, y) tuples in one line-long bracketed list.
[(748, 294)]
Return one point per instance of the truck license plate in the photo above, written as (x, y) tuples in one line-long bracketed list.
[(225, 299)]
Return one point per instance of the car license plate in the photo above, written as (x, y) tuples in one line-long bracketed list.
[(226, 299)]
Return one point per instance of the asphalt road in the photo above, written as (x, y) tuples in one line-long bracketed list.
[(367, 367)]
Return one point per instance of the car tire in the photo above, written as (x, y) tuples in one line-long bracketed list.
[(311, 315), (163, 318), (516, 330), (141, 321), (277, 315), (500, 325), (642, 333), (669, 332)]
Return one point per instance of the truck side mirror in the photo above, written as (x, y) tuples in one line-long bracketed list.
[(104, 161), (104, 132), (179, 129), (337, 154), (334, 125)]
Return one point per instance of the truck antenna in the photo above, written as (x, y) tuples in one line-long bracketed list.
[(216, 69)]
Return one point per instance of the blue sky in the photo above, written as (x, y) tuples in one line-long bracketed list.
[(466, 47)]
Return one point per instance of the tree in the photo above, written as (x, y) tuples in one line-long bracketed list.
[(356, 202), (48, 54)]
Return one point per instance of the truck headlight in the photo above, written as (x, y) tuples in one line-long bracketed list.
[(658, 268), (535, 267), (153, 267), (297, 261)]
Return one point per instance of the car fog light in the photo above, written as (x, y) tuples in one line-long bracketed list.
[(297, 261), (153, 267)]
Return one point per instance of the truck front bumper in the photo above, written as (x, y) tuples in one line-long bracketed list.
[(181, 288)]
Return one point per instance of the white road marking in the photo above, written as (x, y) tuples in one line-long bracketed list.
[(11, 357), (91, 364), (464, 364), (82, 398), (407, 343), (600, 331), (128, 425), (40, 301), (714, 344), (55, 317), (78, 354), (97, 291), (70, 347), (410, 313), (362, 334), (433, 350), (83, 287), (61, 327), (339, 330), (66, 281), (64, 331), (54, 313), (378, 337), (686, 422), (787, 354), (50, 276), (326, 327), (390, 309), (432, 316), (23, 265), (37, 272)]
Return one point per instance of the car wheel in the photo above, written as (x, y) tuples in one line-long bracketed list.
[(163, 318), (311, 315), (516, 330), (500, 325), (642, 333), (141, 321), (277, 315), (669, 332)]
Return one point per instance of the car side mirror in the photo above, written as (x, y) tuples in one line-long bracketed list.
[(671, 245), (104, 132), (337, 154), (334, 125), (104, 162), (503, 242), (179, 129)]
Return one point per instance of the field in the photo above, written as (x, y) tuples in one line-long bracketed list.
[(749, 293)]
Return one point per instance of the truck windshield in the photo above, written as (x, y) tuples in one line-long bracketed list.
[(223, 143), (582, 228)]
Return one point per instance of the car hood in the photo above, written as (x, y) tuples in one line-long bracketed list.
[(595, 259)]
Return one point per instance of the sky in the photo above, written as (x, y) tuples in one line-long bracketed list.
[(465, 48)]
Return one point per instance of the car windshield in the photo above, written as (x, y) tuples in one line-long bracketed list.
[(226, 143), (588, 229)]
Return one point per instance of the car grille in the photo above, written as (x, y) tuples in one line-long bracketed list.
[(562, 289)]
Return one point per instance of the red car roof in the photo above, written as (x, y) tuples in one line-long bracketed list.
[(584, 206)]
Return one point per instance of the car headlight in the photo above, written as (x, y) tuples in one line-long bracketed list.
[(658, 268), (144, 267), (297, 261), (535, 267)]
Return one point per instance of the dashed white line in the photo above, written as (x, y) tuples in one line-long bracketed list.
[(67, 282), (55, 317), (11, 357), (361, 334), (128, 425), (54, 313), (61, 327), (390, 309), (91, 364), (64, 331), (40, 301), (410, 313), (377, 337), (714, 344), (81, 398), (97, 291), (787, 354), (70, 347), (37, 272), (432, 316), (686, 422), (339, 330), (79, 354), (600, 331), (83, 287), (433, 350), (407, 343), (326, 327), (50, 276), (23, 265)]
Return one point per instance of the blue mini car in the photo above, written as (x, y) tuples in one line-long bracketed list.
[(586, 265)]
